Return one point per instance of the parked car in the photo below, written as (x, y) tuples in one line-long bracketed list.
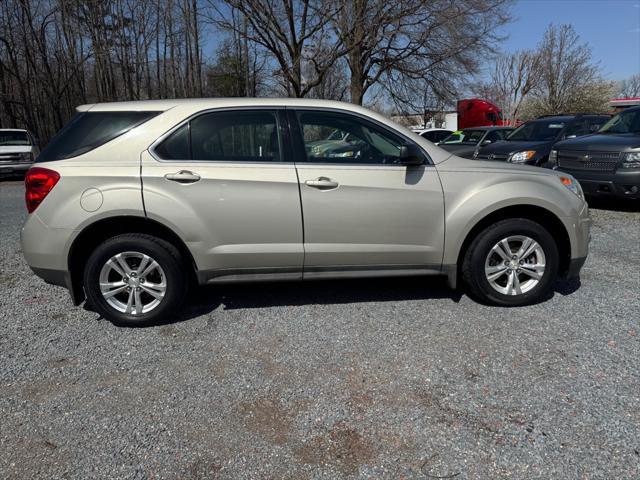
[(608, 162), (132, 200), (434, 135), (18, 149), (465, 142), (532, 141)]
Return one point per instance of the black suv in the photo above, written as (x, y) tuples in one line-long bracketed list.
[(532, 141), (607, 163)]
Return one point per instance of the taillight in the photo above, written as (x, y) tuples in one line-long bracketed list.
[(38, 183)]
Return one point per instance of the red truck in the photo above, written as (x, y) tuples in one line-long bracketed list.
[(475, 112)]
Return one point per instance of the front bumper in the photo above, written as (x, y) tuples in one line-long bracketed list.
[(620, 184), (579, 229), (575, 265)]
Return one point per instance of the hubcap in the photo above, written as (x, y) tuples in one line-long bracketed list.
[(515, 265), (132, 283)]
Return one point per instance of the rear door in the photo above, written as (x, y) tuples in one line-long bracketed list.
[(225, 181), (362, 210)]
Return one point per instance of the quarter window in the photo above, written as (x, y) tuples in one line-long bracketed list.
[(338, 138), (176, 146), (89, 130)]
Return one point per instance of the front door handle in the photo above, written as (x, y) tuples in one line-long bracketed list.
[(183, 176), (323, 183)]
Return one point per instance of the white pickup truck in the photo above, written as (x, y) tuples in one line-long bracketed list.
[(18, 150)]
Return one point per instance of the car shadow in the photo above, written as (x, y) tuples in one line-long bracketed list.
[(614, 204), (203, 300)]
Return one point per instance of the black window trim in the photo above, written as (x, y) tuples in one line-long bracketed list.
[(281, 126), (298, 143)]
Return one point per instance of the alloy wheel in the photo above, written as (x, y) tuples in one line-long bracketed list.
[(132, 283), (515, 265)]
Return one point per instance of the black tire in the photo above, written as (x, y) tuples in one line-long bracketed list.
[(164, 253), (473, 266)]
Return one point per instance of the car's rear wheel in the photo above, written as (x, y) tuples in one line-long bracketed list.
[(511, 263), (135, 280)]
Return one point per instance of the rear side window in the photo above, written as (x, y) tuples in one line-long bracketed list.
[(245, 136), (89, 130), (235, 136)]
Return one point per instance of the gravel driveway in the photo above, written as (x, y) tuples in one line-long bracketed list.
[(363, 379)]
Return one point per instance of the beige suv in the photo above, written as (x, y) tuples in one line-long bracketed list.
[(131, 202)]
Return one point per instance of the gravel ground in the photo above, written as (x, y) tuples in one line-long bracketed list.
[(362, 379)]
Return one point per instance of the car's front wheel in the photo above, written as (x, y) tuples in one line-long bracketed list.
[(511, 263), (135, 280)]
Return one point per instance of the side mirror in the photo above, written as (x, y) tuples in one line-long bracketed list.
[(411, 155), (486, 142)]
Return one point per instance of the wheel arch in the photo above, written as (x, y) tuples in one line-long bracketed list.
[(549, 220), (94, 234)]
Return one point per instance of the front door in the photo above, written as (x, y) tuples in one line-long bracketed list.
[(362, 210), (223, 181)]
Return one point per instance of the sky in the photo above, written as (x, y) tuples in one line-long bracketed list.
[(610, 27)]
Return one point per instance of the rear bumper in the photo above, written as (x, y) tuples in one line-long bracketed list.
[(620, 184), (54, 277), (42, 247)]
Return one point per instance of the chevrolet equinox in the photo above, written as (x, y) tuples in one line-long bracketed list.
[(132, 202)]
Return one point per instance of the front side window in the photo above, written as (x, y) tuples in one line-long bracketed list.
[(596, 124), (225, 136), (537, 131), (578, 128), (494, 136), (470, 137), (627, 121), (89, 130), (360, 141), (13, 138)]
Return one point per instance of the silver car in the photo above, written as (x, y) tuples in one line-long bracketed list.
[(132, 202), (18, 150)]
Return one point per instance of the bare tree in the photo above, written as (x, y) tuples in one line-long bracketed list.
[(566, 70), (630, 87), (295, 34), (513, 77), (56, 54), (418, 43)]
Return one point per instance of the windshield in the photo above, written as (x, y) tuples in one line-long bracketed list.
[(536, 131), (624, 122), (8, 138), (466, 136), (87, 131)]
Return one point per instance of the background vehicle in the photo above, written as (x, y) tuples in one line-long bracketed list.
[(434, 135), (464, 143), (475, 112), (619, 104), (131, 201), (18, 150), (607, 163), (532, 141)]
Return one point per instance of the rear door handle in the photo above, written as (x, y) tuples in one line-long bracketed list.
[(323, 183), (183, 176)]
